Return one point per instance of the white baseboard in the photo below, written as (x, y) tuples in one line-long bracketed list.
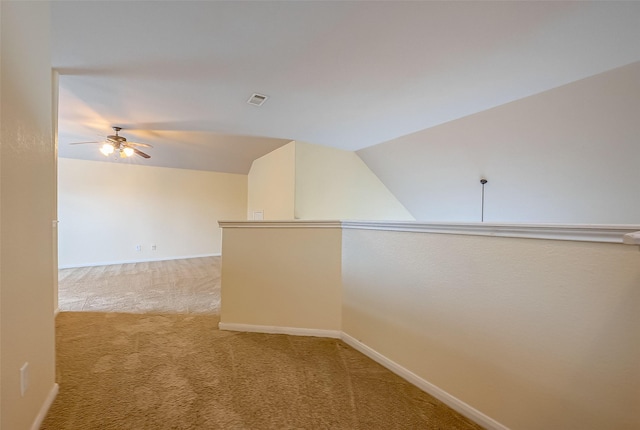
[(45, 407), (335, 334), (144, 260), (446, 398)]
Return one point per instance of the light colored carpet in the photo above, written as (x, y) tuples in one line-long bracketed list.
[(174, 286), (149, 355), (134, 371)]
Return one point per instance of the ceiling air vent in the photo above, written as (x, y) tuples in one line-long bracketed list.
[(257, 99)]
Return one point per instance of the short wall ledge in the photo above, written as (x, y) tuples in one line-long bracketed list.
[(628, 234)]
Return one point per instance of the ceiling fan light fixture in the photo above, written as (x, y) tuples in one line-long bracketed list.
[(107, 149), (120, 146)]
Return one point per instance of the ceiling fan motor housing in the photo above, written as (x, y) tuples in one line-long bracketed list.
[(115, 137)]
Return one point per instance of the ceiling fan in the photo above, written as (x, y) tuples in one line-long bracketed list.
[(120, 144)]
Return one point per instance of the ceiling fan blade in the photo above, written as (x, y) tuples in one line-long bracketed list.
[(80, 143), (140, 153), (144, 145)]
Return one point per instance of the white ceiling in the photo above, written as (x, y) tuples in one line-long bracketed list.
[(177, 74)]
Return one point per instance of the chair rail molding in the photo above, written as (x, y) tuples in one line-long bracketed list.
[(627, 234), (281, 224)]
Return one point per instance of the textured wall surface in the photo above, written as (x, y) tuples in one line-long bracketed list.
[(106, 209), (281, 277), (335, 184), (533, 333), (272, 185), (27, 209)]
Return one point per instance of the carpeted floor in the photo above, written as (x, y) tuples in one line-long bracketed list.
[(170, 371), (174, 286), (149, 355)]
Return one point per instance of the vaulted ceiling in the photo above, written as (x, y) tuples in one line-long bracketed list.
[(177, 74)]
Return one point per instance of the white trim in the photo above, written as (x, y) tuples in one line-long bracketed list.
[(335, 334), (632, 238), (280, 224), (446, 398), (44, 409), (572, 232), (110, 263), (56, 312), (575, 232)]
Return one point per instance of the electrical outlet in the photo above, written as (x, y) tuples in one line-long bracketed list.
[(138, 248), (153, 247), (24, 378)]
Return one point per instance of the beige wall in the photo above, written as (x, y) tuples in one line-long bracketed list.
[(106, 209), (536, 334), (271, 184), (282, 277), (568, 155), (529, 333), (336, 184), (27, 208), (314, 182)]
